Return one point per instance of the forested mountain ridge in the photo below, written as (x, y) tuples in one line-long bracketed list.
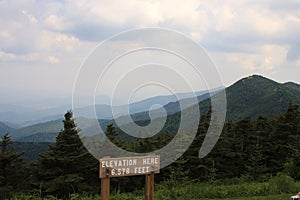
[(46, 127), (25, 116), (257, 95), (4, 128), (252, 96)]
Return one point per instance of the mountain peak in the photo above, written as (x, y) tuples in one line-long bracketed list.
[(257, 95), (257, 78)]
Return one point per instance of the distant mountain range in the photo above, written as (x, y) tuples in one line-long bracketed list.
[(25, 116), (249, 97), (4, 128)]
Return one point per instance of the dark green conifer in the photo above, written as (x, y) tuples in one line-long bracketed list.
[(13, 173), (67, 167)]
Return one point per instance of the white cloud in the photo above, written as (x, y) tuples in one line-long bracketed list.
[(251, 35), (115, 16), (30, 16), (49, 41), (4, 56), (268, 58), (4, 35), (54, 22), (53, 59), (216, 24), (297, 63), (68, 43)]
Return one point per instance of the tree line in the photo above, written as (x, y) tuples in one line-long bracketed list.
[(252, 149)]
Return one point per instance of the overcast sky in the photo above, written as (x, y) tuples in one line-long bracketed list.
[(44, 42)]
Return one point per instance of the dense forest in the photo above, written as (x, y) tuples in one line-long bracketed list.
[(252, 149)]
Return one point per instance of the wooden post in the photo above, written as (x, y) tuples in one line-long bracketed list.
[(149, 190), (105, 188)]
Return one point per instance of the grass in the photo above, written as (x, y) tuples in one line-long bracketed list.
[(270, 197), (132, 197), (279, 187)]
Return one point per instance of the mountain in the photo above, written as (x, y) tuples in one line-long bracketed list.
[(12, 125), (292, 87), (140, 107), (256, 95), (48, 137), (47, 131), (31, 149), (171, 107), (145, 105), (26, 116), (47, 127), (249, 97), (4, 128)]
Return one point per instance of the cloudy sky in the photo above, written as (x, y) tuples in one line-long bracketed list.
[(44, 42)]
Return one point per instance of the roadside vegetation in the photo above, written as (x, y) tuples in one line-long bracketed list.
[(279, 187)]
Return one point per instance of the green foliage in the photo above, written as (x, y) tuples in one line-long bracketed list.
[(31, 149), (256, 95), (46, 127), (130, 196), (282, 184), (215, 191), (13, 173), (67, 167), (197, 190)]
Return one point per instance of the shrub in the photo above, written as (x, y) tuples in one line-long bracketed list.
[(282, 183)]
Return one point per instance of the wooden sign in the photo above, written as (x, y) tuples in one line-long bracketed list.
[(129, 166)]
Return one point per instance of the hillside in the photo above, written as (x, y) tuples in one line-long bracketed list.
[(41, 128), (252, 96), (42, 137), (4, 128), (257, 95), (47, 131), (31, 149), (249, 97)]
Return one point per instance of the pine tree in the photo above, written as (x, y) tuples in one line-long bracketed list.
[(111, 133), (198, 168), (226, 154), (286, 138), (13, 173), (290, 125), (67, 167)]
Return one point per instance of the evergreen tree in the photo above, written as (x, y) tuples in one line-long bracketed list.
[(67, 167), (13, 172), (198, 168), (261, 147), (290, 124), (115, 136), (111, 133), (244, 129), (286, 138), (226, 153)]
